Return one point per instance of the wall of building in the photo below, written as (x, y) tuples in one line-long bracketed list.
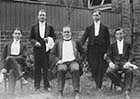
[(21, 14)]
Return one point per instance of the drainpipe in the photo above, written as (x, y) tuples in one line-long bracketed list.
[(132, 21)]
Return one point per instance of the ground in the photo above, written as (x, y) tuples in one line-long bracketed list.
[(87, 91)]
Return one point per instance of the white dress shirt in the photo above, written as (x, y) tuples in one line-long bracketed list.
[(67, 51), (15, 47), (120, 45), (42, 29), (96, 27)]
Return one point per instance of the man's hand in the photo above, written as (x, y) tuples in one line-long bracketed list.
[(4, 71), (105, 55), (46, 40), (60, 62), (127, 65), (112, 65), (37, 44)]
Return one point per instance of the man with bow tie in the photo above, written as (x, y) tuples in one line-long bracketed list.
[(119, 58), (98, 41), (66, 52), (13, 58), (39, 37)]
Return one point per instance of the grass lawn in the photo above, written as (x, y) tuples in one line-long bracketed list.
[(87, 91)]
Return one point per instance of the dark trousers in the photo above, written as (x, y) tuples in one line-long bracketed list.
[(97, 64), (14, 65), (62, 69), (41, 65), (118, 78)]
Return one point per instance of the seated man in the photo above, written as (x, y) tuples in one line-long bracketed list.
[(13, 59), (66, 53), (119, 57)]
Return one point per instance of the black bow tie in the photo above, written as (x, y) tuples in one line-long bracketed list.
[(67, 39)]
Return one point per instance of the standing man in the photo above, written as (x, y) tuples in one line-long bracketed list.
[(39, 36), (98, 42)]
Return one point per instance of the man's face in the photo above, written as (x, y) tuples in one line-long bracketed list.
[(66, 33), (42, 16), (17, 34), (96, 16), (119, 35)]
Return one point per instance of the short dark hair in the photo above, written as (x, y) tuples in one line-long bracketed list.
[(99, 11), (42, 10), (17, 28), (117, 29)]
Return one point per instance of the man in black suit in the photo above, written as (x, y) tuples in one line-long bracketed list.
[(39, 36), (66, 53), (13, 59), (119, 58), (98, 42)]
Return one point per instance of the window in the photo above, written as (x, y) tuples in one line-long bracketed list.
[(104, 4)]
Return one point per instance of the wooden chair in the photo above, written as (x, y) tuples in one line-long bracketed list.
[(7, 79), (122, 75)]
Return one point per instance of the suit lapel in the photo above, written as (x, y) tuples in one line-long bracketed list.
[(37, 30), (9, 47), (60, 49), (74, 47), (46, 30), (124, 48), (100, 28), (116, 48), (21, 47), (92, 30)]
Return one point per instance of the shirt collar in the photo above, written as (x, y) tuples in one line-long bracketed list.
[(16, 41), (42, 23), (67, 40), (118, 41), (98, 22)]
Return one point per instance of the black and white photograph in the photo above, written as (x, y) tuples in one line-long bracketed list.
[(69, 49)]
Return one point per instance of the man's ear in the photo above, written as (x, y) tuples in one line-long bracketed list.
[(12, 34)]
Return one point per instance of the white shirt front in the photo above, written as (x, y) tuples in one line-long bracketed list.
[(15, 47), (42, 29), (96, 27), (67, 51), (120, 45)]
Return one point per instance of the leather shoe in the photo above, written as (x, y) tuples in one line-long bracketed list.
[(60, 95), (23, 81), (77, 96), (127, 95), (47, 89)]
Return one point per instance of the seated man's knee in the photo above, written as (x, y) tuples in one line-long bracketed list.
[(9, 59), (109, 71), (74, 66), (62, 67), (129, 71), (12, 71)]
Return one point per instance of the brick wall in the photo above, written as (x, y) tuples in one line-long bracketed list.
[(124, 7)]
